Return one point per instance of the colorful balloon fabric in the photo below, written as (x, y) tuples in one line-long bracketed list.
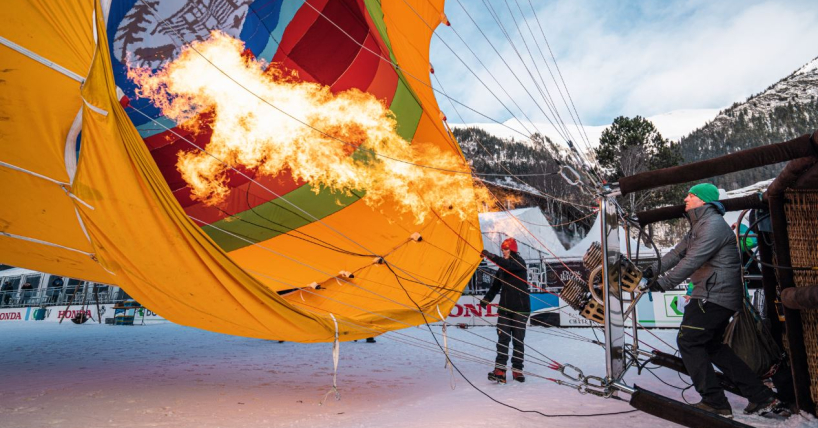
[(279, 258)]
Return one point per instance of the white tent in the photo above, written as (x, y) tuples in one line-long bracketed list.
[(595, 235), (537, 239), (534, 235)]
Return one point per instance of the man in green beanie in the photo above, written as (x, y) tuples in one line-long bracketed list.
[(708, 255)]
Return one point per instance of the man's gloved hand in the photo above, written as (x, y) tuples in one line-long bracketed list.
[(484, 303), (648, 273), (656, 287), (645, 285), (486, 254)]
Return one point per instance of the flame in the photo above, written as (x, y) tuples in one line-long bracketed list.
[(263, 118)]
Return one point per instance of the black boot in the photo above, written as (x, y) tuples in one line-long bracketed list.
[(498, 375), (770, 405)]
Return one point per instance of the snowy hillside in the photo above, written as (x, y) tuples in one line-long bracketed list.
[(673, 125), (785, 110), (800, 87)]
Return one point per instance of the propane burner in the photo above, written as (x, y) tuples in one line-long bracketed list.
[(593, 257), (575, 293), (587, 296)]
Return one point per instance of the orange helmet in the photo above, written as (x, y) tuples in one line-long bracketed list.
[(509, 244)]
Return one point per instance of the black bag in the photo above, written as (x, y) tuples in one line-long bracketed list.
[(752, 342)]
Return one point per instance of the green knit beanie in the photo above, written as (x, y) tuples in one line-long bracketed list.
[(706, 192)]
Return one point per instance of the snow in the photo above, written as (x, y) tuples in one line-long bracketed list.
[(166, 375), (509, 183), (810, 66), (672, 125), (761, 186), (679, 123)]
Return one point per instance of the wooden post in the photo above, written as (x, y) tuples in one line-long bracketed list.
[(70, 301), (96, 298)]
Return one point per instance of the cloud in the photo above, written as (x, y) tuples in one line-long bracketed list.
[(623, 58)]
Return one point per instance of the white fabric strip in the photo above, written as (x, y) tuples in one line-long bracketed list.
[(448, 365), (76, 198), (95, 108), (106, 9), (445, 338), (71, 146), (50, 244), (17, 168), (336, 352), (48, 63), (82, 226)]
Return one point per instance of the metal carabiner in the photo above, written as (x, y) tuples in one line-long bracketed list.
[(602, 383), (577, 179), (600, 388), (578, 377)]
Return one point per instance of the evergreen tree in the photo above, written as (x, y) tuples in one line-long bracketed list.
[(633, 145)]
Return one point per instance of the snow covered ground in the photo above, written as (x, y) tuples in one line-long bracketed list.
[(166, 375)]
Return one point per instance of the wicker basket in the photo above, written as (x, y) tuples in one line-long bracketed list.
[(801, 209)]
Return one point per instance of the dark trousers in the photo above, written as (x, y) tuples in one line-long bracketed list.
[(701, 344), (511, 328)]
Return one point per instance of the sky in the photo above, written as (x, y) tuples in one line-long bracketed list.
[(617, 57)]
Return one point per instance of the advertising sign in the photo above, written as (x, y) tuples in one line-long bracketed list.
[(56, 313), (468, 312), (661, 309), (571, 318)]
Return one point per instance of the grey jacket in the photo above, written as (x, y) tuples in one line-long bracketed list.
[(709, 256)]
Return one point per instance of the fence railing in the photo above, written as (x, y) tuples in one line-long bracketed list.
[(61, 296)]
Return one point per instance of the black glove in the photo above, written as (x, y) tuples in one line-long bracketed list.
[(484, 303), (655, 287), (486, 254), (648, 273)]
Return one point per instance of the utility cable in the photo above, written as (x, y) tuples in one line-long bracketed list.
[(542, 55), (559, 72), (551, 107), (486, 394)]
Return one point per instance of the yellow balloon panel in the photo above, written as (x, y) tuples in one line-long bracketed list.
[(144, 242)]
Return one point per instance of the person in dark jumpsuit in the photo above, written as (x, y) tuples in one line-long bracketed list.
[(514, 308)]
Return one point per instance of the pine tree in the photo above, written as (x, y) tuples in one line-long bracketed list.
[(633, 145)]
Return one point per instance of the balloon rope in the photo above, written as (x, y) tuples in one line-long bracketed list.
[(336, 352), (448, 365)]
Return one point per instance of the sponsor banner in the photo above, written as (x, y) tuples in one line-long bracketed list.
[(468, 312), (16, 314), (571, 318), (56, 313), (652, 310), (661, 309)]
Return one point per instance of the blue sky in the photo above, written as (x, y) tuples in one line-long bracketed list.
[(622, 57)]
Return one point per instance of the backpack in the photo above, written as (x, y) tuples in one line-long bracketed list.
[(750, 339)]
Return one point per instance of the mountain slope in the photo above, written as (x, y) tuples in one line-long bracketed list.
[(785, 110), (672, 125)]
